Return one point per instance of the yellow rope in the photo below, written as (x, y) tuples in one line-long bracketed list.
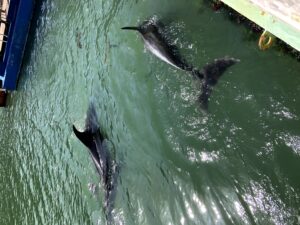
[(266, 40)]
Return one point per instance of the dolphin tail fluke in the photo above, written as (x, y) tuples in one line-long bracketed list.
[(210, 74)]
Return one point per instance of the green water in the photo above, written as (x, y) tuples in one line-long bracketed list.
[(237, 164)]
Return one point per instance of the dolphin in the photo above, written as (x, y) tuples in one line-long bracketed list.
[(156, 42), (94, 140)]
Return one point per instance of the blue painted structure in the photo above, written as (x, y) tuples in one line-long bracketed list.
[(18, 18)]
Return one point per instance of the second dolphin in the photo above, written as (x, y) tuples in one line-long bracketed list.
[(107, 168)]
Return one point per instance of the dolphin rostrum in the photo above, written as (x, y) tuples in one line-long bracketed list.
[(107, 168), (156, 42)]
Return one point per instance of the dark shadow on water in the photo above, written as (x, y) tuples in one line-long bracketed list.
[(31, 39)]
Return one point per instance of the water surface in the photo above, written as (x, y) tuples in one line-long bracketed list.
[(238, 163)]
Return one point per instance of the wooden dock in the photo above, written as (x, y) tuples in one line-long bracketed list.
[(279, 17)]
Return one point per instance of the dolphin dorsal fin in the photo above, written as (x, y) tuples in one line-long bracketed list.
[(86, 137)]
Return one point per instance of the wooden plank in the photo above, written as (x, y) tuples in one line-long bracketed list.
[(287, 10)]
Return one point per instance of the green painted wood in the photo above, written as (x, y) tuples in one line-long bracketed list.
[(283, 25)]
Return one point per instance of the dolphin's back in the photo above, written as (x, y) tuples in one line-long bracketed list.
[(156, 43), (91, 121)]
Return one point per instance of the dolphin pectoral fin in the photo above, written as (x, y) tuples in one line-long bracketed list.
[(210, 75), (85, 137)]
